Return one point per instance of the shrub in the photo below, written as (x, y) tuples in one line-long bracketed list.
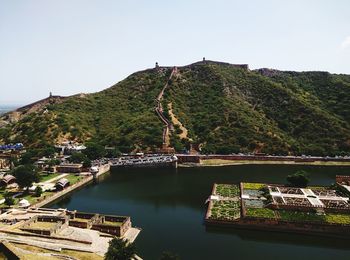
[(38, 191), (120, 249), (9, 200), (299, 179)]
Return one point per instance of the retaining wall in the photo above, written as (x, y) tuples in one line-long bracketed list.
[(285, 226), (184, 158)]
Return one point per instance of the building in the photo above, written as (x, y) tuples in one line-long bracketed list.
[(7, 180), (23, 203), (70, 147), (70, 168), (11, 147), (4, 164), (62, 184), (94, 170)]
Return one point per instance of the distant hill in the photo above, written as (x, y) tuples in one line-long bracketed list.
[(219, 107)]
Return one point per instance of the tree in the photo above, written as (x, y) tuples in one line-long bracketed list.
[(26, 175), (80, 158), (166, 255), (28, 157), (38, 191), (299, 179), (120, 249), (53, 162), (87, 163), (48, 151), (112, 153), (266, 193), (9, 200), (77, 158), (94, 151)]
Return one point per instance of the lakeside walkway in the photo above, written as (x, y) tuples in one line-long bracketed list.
[(102, 170), (198, 160), (222, 162), (53, 179)]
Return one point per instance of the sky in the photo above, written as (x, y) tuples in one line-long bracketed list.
[(81, 46)]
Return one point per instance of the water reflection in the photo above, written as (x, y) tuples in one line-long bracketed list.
[(281, 238), (168, 204)]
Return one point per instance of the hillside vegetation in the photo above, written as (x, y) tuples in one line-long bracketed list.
[(223, 108)]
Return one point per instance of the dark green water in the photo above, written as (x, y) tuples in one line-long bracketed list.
[(168, 205)]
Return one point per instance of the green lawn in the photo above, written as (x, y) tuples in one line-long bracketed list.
[(32, 198), (42, 225), (46, 177), (227, 190), (118, 224), (334, 218), (73, 178), (260, 213), (253, 186), (300, 216), (2, 194), (81, 219)]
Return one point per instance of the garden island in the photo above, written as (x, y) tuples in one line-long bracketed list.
[(317, 210)]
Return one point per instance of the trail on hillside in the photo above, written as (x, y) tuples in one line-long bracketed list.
[(176, 121)]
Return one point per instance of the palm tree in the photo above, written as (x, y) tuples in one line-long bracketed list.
[(120, 249)]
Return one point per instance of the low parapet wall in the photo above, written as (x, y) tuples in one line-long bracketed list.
[(90, 218), (118, 226), (116, 230), (60, 222), (188, 158)]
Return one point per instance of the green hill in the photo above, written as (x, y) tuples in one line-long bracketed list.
[(220, 107)]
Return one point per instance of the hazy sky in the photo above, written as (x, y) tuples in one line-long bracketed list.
[(72, 46)]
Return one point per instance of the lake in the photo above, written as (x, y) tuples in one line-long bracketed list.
[(168, 204), (6, 108)]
